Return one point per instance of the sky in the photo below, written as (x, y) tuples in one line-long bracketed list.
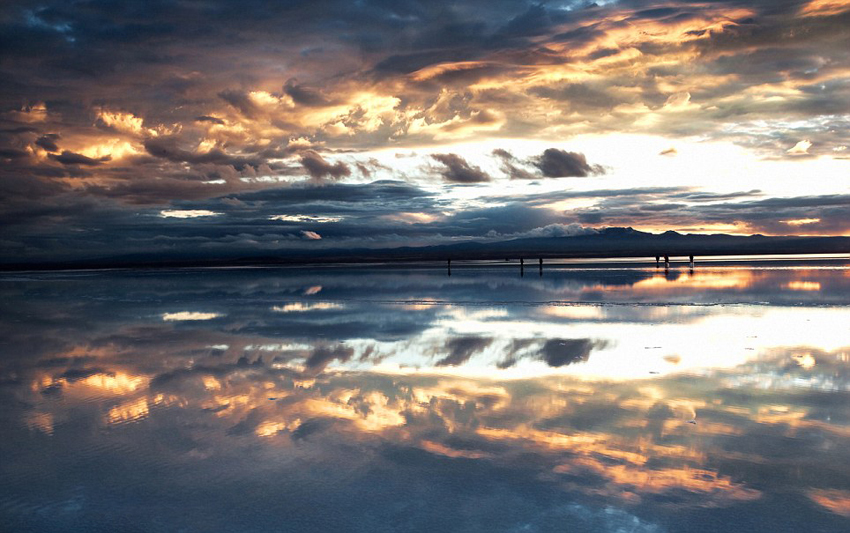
[(224, 128)]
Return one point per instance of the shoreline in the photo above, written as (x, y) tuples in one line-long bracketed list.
[(676, 262)]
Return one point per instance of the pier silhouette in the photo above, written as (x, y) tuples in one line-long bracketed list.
[(691, 262)]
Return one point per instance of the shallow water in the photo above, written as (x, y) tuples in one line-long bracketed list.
[(615, 398)]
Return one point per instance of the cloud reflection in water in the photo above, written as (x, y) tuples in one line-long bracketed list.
[(359, 409)]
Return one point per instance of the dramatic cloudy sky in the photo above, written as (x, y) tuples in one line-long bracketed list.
[(223, 127)]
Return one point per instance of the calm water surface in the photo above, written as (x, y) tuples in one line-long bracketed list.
[(612, 399)]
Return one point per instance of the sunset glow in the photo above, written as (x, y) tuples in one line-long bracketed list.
[(418, 125), (426, 266)]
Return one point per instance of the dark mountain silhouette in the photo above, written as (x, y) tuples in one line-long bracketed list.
[(609, 242)]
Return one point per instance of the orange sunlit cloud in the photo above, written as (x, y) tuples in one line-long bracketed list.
[(581, 101)]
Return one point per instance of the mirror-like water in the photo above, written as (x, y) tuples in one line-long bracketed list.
[(606, 399)]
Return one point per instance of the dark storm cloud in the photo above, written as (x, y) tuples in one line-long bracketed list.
[(333, 47), (168, 148), (377, 191), (19, 129), (555, 163), (240, 101), (554, 352), (192, 105), (458, 170), (512, 166), (314, 426), (48, 142), (322, 356), (76, 374), (71, 158), (304, 95), (368, 168), (150, 191), (562, 352), (92, 226), (318, 168), (250, 223), (513, 353), (460, 349), (552, 163), (12, 153)]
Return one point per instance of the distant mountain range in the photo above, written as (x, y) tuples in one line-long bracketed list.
[(609, 242), (620, 242)]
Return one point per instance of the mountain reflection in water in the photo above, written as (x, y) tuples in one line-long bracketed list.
[(615, 399)]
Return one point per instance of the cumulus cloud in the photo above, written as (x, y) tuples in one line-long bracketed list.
[(552, 163), (513, 167), (555, 163), (459, 349), (318, 168), (322, 356), (364, 76), (484, 69), (562, 352), (303, 95), (555, 352), (458, 170)]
